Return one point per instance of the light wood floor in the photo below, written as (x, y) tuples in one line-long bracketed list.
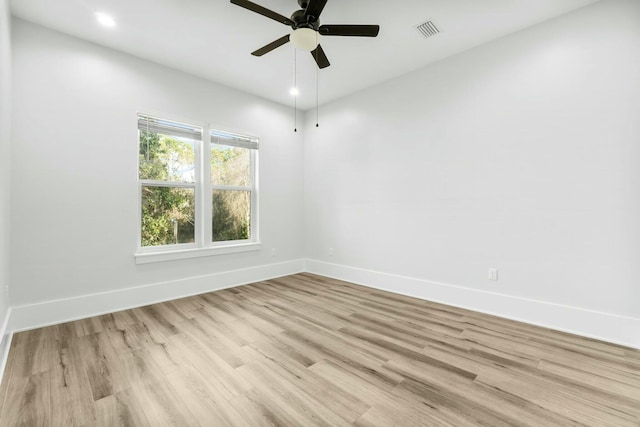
[(306, 350)]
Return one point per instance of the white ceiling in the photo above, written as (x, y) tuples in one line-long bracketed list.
[(213, 38)]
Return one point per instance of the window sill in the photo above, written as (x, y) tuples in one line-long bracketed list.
[(150, 257)]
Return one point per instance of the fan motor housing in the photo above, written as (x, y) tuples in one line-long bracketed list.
[(300, 20)]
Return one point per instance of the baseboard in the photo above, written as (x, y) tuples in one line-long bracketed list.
[(588, 323), (64, 310), (5, 342), (593, 324)]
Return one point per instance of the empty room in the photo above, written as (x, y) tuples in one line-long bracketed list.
[(319, 212)]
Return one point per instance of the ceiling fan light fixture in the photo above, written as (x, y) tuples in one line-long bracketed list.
[(305, 39), (307, 29)]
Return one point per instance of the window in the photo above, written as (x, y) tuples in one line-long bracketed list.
[(232, 186), (195, 199), (167, 173)]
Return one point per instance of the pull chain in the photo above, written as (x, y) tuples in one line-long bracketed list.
[(295, 88), (317, 85)]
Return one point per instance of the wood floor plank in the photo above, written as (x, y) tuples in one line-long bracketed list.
[(254, 412), (383, 415), (266, 376), (72, 401), (200, 400), (310, 350), (28, 402), (307, 382), (569, 403)]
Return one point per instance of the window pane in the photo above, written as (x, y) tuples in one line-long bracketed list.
[(230, 165), (166, 157), (168, 215), (231, 215)]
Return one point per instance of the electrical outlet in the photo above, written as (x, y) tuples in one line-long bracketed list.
[(493, 274), (331, 252), (274, 252)]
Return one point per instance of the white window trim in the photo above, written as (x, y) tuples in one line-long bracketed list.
[(194, 252), (203, 246)]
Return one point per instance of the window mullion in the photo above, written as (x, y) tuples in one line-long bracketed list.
[(206, 188), (231, 188), (152, 183), (254, 197), (139, 214), (199, 238)]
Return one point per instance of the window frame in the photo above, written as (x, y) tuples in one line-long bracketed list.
[(203, 244)]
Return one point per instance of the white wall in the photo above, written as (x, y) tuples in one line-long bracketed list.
[(5, 153), (521, 155), (5, 177), (74, 158)]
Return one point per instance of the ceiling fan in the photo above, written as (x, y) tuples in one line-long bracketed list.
[(306, 27)]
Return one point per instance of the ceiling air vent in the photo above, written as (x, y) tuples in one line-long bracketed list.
[(428, 29)]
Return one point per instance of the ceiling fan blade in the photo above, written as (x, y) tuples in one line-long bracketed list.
[(271, 46), (263, 11), (349, 30), (320, 57), (314, 9)]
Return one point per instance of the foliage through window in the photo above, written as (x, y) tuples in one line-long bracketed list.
[(231, 182), (178, 192)]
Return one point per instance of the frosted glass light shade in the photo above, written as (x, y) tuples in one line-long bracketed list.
[(305, 39)]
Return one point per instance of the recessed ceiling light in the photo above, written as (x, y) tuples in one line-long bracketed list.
[(105, 20), (294, 91)]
